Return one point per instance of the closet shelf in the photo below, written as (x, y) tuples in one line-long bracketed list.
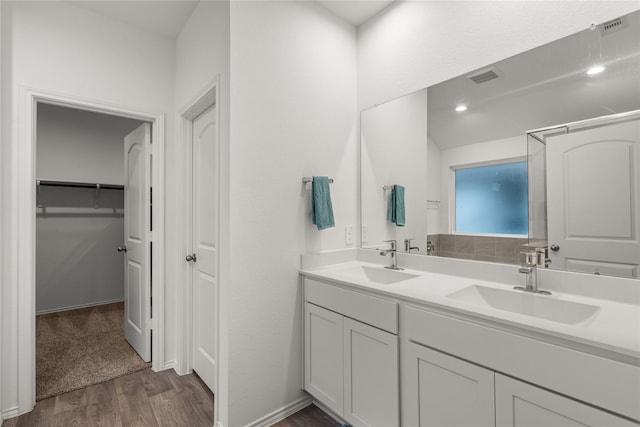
[(49, 183), (69, 184)]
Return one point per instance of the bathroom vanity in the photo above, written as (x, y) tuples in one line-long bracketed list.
[(417, 348)]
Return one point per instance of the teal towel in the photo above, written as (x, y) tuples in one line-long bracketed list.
[(322, 209), (396, 211)]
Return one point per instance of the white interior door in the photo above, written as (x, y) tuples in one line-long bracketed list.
[(137, 210), (593, 199), (205, 245)]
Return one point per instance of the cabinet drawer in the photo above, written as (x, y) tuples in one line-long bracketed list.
[(547, 365), (521, 404), (368, 309)]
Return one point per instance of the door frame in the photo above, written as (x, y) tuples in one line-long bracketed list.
[(25, 178), (205, 99)]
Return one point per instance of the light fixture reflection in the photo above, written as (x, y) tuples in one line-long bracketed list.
[(597, 69), (461, 108)]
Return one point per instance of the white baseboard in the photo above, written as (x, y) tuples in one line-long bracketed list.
[(282, 413), (8, 413), (75, 307), (169, 364)]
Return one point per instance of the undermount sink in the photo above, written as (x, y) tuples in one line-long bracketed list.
[(379, 275), (539, 306)]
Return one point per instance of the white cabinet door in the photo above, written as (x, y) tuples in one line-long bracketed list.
[(523, 405), (371, 384), (323, 359), (440, 390)]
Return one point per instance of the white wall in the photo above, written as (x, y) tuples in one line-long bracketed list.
[(1, 192), (81, 146), (202, 54), (415, 44), (394, 151), (58, 47), (434, 187), (76, 261), (293, 114)]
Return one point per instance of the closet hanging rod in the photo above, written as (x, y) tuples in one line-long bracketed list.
[(49, 183), (307, 179)]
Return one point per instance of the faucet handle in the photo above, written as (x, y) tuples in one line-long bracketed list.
[(531, 257), (407, 244), (393, 244)]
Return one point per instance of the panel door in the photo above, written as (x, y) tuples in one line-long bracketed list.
[(137, 211), (523, 405), (593, 202), (441, 390), (324, 356), (371, 376), (205, 245)]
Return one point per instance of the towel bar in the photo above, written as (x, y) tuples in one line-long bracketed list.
[(307, 179)]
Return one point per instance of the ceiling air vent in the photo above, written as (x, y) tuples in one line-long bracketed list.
[(485, 75), (613, 26)]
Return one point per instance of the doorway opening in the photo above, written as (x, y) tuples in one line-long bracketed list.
[(199, 305), (25, 212), (82, 263)]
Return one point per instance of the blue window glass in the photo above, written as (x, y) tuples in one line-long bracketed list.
[(492, 199)]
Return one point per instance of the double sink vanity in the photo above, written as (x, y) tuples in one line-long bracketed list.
[(450, 342)]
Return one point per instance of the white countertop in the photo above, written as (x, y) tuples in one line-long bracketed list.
[(615, 328)]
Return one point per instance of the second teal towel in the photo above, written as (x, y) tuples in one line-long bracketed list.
[(396, 210), (322, 209)]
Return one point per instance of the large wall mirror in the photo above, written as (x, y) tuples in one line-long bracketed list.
[(478, 157)]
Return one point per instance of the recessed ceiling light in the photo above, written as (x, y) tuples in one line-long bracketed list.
[(461, 108), (597, 69)]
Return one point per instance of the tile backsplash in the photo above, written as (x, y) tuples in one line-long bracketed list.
[(504, 250)]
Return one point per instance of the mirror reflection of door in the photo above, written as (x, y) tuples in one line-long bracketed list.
[(593, 190)]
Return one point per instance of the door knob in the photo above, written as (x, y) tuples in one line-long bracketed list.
[(555, 248), (190, 258), (122, 249)]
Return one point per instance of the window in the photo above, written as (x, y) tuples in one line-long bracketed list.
[(492, 199)]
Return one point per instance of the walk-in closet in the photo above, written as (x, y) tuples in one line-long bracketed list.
[(80, 274)]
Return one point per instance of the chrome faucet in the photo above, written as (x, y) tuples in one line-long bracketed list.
[(393, 251), (407, 246), (530, 268)]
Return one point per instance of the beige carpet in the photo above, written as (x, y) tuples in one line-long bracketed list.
[(77, 348)]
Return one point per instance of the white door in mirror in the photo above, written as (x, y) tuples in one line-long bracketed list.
[(593, 201)]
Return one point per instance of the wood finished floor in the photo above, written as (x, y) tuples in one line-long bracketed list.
[(144, 398), (311, 416)]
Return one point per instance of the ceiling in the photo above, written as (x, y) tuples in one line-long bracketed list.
[(168, 17), (165, 17), (543, 87), (355, 12)]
